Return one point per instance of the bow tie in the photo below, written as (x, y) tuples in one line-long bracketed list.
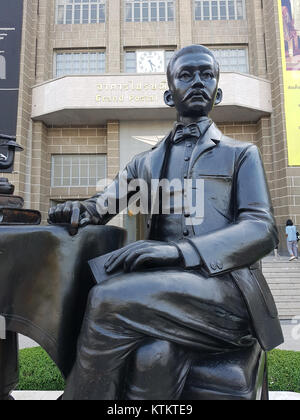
[(184, 132)]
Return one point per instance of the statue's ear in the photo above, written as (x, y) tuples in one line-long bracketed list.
[(219, 97), (169, 99)]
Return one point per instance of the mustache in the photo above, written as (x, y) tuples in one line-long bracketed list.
[(196, 92)]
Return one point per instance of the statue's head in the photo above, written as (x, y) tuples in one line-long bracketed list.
[(193, 77)]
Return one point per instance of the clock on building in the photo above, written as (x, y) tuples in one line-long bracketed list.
[(150, 61)]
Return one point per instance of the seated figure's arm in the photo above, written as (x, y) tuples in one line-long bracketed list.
[(103, 206), (252, 235)]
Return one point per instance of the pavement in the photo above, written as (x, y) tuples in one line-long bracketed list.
[(291, 332), (36, 395), (26, 343), (53, 396)]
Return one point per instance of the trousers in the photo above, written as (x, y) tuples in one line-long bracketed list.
[(141, 330), (293, 248)]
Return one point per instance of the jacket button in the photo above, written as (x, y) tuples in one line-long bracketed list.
[(220, 265), (186, 232)]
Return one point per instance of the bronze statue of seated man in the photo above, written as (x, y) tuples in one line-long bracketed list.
[(188, 288)]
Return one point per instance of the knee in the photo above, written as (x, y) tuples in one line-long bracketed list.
[(154, 355), (100, 302), (108, 299)]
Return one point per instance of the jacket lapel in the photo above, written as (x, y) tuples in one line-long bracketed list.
[(211, 138), (158, 156)]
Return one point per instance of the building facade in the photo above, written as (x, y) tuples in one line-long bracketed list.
[(92, 81)]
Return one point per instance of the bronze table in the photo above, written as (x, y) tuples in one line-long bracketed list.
[(44, 283)]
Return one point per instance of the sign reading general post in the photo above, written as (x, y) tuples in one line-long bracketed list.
[(11, 16), (289, 17)]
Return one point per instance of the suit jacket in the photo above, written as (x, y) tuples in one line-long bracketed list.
[(238, 228)]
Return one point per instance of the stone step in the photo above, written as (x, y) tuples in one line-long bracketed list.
[(285, 309), (286, 268), (283, 265), (292, 268), (276, 262), (282, 276), (286, 316), (288, 304), (281, 261), (284, 282), (286, 264), (279, 257), (293, 294), (288, 293), (282, 288), (278, 273)]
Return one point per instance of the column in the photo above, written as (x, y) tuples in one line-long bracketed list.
[(113, 41), (40, 170), (186, 19)]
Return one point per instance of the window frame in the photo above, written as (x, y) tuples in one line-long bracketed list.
[(77, 51), (139, 6), (210, 4), (70, 177), (213, 48), (80, 5)]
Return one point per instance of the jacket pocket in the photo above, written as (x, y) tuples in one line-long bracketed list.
[(227, 178)]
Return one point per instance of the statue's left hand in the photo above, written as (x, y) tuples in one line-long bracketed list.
[(143, 254)]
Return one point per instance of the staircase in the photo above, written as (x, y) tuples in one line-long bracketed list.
[(283, 278)]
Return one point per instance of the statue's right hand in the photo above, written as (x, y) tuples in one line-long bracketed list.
[(64, 212)]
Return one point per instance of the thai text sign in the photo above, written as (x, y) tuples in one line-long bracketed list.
[(131, 92)]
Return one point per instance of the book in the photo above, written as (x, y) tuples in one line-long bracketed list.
[(98, 270)]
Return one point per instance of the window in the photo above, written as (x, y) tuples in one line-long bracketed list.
[(147, 61), (67, 63), (77, 170), (232, 60), (220, 9), (80, 11), (130, 62), (149, 11)]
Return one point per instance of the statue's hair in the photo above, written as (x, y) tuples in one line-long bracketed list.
[(186, 50)]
